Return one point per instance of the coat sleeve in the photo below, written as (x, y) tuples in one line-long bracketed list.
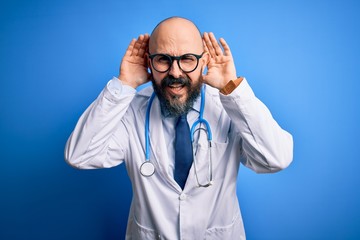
[(265, 146), (94, 143)]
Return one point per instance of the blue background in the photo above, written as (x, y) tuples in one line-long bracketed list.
[(300, 57)]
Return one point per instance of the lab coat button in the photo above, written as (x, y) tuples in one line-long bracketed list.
[(182, 196)]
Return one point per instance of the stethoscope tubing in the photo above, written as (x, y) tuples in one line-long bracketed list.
[(144, 168), (147, 123)]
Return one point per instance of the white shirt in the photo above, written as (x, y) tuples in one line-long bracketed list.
[(111, 131)]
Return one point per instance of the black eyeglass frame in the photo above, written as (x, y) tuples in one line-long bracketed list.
[(178, 58)]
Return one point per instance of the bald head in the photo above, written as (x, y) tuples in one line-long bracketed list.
[(176, 36)]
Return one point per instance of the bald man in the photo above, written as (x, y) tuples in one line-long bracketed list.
[(183, 138)]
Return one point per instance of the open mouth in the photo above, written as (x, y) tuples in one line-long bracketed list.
[(176, 85), (176, 88)]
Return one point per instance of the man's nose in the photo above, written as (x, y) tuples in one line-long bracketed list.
[(175, 71)]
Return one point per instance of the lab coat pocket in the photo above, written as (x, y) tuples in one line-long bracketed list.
[(141, 232), (213, 157), (227, 232)]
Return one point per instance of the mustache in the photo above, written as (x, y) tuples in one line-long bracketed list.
[(169, 80)]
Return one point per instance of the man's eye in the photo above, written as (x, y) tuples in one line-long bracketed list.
[(163, 59), (187, 58)]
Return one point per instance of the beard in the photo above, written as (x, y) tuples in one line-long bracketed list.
[(172, 104)]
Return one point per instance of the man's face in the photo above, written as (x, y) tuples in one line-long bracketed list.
[(177, 89)]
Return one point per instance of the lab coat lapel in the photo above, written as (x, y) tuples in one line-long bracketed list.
[(159, 153)]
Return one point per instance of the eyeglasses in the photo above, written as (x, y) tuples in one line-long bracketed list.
[(163, 62)]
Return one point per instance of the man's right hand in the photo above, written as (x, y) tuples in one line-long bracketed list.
[(134, 67)]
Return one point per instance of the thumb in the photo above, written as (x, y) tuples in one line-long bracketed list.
[(205, 78)]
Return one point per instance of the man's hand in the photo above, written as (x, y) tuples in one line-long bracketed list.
[(221, 67), (134, 67)]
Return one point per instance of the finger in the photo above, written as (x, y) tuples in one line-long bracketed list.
[(208, 45), (206, 50), (215, 44), (137, 45), (226, 47), (144, 45), (130, 47)]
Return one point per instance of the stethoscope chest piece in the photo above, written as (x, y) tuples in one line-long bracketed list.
[(147, 169)]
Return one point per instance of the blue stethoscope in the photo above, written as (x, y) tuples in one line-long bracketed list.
[(147, 168)]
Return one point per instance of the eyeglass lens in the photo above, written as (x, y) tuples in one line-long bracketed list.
[(186, 62)]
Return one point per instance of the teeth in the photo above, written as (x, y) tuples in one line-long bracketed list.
[(176, 85)]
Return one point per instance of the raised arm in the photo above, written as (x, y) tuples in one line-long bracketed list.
[(266, 147), (93, 143)]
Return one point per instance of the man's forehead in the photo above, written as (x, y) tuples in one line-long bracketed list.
[(179, 35), (176, 23)]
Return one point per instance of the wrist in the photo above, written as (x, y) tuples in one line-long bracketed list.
[(231, 85), (125, 81)]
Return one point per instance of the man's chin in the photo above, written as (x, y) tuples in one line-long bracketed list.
[(178, 97), (176, 100)]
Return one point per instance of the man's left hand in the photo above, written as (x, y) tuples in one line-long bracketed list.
[(221, 66)]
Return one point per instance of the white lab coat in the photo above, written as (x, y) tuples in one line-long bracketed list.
[(111, 131)]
